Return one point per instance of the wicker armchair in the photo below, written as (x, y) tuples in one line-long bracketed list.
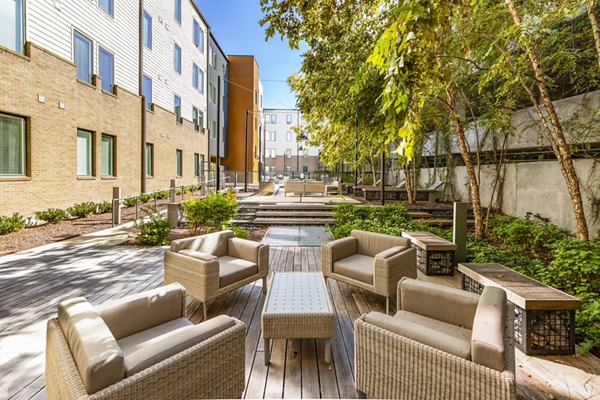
[(142, 347), (213, 264), (442, 344), (371, 261)]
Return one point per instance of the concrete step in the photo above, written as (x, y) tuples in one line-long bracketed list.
[(296, 206), (295, 214), (294, 221), (445, 222), (419, 215)]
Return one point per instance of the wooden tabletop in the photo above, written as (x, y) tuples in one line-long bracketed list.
[(429, 241), (521, 290)]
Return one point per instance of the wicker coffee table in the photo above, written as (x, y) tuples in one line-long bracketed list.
[(298, 306)]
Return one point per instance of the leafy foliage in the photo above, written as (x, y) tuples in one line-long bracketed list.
[(154, 230), (51, 215), (212, 212), (104, 207), (12, 223), (82, 210), (241, 232)]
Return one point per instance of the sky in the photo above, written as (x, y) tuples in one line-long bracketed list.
[(234, 24)]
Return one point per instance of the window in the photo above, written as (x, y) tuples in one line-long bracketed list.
[(195, 118), (149, 159), (288, 136), (178, 11), (273, 118), (178, 158), (212, 93), (147, 30), (106, 63), (288, 168), (177, 59), (198, 78), (288, 153), (201, 80), (273, 154), (11, 25), (305, 169), (196, 164), (273, 136), (198, 36), (201, 164), (213, 129), (288, 118), (201, 119), (85, 154), (107, 160), (82, 56), (177, 108), (107, 6), (147, 91), (13, 148), (305, 153)]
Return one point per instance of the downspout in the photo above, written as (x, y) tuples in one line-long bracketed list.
[(140, 86), (208, 79)]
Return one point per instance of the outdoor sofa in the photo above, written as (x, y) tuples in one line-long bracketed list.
[(303, 188), (372, 261), (443, 343), (142, 347), (216, 263)]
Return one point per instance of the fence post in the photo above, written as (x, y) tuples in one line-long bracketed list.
[(173, 192), (116, 206), (459, 232)]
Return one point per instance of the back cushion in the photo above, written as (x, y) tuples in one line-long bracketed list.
[(144, 310), (487, 341), (94, 349), (370, 243), (442, 303), (215, 243)]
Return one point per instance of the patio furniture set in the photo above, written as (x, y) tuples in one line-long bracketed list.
[(441, 343)]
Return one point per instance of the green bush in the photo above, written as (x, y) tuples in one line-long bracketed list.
[(51, 215), (212, 212), (154, 231), (241, 232), (104, 207), (82, 210), (390, 219), (12, 223), (146, 197), (129, 202), (163, 194)]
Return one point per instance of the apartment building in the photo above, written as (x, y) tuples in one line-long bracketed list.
[(217, 98), (286, 153), (101, 94), (244, 115)]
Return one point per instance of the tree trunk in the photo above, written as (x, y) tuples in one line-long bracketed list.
[(471, 175), (408, 183), (589, 5), (563, 153)]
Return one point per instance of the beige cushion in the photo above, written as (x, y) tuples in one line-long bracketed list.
[(144, 310), (439, 302), (243, 248), (212, 243), (449, 338), (487, 345), (358, 267), (147, 348), (342, 248), (95, 351), (392, 251), (232, 270), (370, 243), (198, 255)]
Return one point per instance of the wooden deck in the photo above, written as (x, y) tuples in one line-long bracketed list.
[(31, 287)]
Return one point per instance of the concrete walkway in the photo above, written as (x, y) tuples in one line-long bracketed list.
[(309, 236)]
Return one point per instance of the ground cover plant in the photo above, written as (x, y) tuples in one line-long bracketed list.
[(531, 245), (154, 230), (12, 223), (51, 215), (210, 213), (82, 210)]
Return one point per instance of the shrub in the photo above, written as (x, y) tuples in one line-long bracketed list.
[(129, 202), (12, 223), (390, 219), (154, 231), (144, 198), (81, 210), (241, 232), (163, 194), (212, 212), (104, 207), (51, 215)]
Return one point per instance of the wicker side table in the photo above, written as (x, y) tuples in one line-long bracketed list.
[(297, 306), (435, 256)]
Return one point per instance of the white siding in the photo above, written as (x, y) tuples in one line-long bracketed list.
[(158, 61), (281, 127), (50, 24)]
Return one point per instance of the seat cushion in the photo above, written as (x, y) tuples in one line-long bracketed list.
[(147, 348), (198, 255), (358, 267), (95, 351), (232, 270), (437, 334)]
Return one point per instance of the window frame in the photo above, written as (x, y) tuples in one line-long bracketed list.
[(289, 136), (178, 163), (149, 160), (147, 23), (101, 50), (177, 108), (18, 44), (23, 167), (273, 118), (77, 33), (196, 165), (288, 153), (146, 78), (113, 153), (110, 13), (289, 118), (177, 12), (90, 159), (177, 58)]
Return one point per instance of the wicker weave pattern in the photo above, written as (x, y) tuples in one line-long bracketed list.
[(213, 368), (391, 366)]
